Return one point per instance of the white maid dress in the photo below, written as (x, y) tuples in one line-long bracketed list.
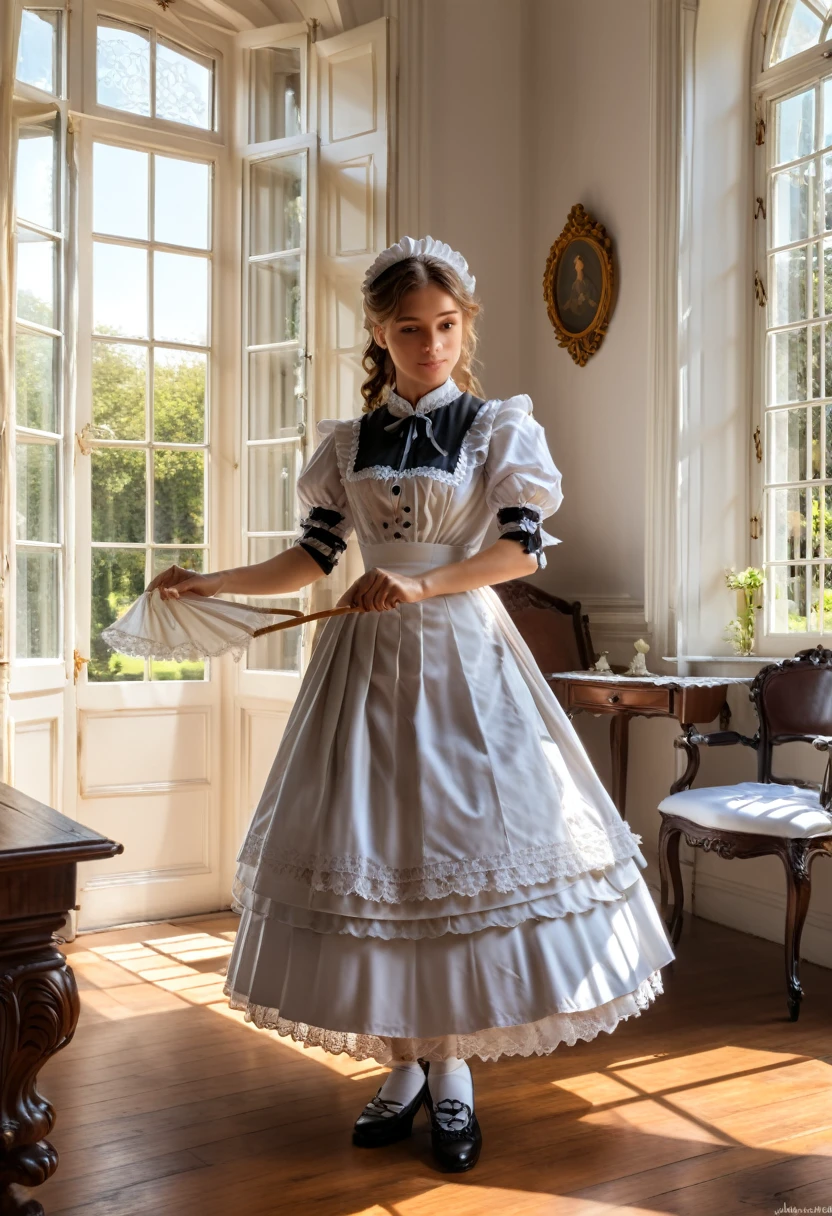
[(433, 859)]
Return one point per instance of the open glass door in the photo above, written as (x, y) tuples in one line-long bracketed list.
[(314, 152), (151, 241)]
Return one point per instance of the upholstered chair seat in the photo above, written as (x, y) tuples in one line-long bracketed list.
[(753, 806)]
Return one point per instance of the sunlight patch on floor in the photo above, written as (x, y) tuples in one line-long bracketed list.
[(699, 1067), (596, 1088), (466, 1199)]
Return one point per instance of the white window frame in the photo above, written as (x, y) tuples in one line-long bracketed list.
[(170, 31), (30, 675), (771, 85), (164, 143), (257, 682)]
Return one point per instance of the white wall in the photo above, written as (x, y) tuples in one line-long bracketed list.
[(530, 107), (477, 186)]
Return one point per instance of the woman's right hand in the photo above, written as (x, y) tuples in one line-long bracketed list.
[(173, 581)]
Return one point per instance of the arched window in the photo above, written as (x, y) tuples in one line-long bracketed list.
[(792, 507), (798, 25)]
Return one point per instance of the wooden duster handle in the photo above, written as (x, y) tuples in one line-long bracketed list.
[(299, 619)]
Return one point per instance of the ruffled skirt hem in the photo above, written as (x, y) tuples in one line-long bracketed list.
[(533, 1038)]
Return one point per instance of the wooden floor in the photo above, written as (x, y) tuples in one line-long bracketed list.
[(710, 1102)]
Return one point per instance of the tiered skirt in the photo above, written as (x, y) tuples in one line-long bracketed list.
[(434, 868)]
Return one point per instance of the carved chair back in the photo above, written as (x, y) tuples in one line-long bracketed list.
[(554, 630), (793, 699)]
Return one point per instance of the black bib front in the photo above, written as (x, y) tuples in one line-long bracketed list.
[(378, 448)]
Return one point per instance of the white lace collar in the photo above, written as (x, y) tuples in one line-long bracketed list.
[(444, 395)]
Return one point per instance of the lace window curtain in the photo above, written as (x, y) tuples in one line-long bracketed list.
[(9, 32)]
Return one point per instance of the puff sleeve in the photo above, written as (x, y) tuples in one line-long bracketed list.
[(326, 521), (522, 484)]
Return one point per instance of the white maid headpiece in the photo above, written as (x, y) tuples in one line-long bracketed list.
[(407, 247)]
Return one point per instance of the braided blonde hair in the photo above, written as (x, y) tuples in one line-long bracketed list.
[(381, 301)]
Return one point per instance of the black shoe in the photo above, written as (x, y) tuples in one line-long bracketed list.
[(382, 1122), (455, 1134)]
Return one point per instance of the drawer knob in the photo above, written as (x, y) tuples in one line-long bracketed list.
[(614, 699)]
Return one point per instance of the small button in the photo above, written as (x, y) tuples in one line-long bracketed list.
[(385, 525), (405, 508), (406, 523), (397, 489), (397, 535)]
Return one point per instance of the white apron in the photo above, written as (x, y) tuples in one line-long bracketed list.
[(433, 859)]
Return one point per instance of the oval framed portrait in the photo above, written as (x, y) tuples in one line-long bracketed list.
[(579, 285)]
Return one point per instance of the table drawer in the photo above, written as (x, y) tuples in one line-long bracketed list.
[(600, 697)]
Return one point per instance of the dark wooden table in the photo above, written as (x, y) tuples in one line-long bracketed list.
[(39, 853), (687, 698)]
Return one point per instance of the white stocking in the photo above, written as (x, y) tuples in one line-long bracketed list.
[(451, 1079), (403, 1083)]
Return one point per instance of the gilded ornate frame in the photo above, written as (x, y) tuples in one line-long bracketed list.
[(581, 226)]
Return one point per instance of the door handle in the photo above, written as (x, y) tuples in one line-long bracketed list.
[(78, 662)]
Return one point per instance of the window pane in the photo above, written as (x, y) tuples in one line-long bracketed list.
[(789, 374), (184, 86), (119, 387), (120, 191), (787, 445), (793, 201), (274, 301), (37, 491), (182, 205), (38, 53), (179, 396), (38, 614), (123, 67), (797, 29), (179, 498), (118, 495), (36, 257), (261, 548), (826, 137), (795, 126), (827, 193), (118, 578), (275, 393), (36, 369), (188, 559), (180, 298), (275, 94), (272, 474), (119, 290), (36, 174), (788, 530), (277, 204), (787, 599), (792, 292), (276, 651)]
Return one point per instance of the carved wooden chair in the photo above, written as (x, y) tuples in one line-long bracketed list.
[(554, 630), (780, 815)]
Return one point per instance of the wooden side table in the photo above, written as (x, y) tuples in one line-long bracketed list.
[(39, 853), (689, 699)]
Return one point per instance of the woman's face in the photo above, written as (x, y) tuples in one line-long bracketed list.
[(424, 337)]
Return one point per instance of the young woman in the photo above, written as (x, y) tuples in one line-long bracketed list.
[(434, 870)]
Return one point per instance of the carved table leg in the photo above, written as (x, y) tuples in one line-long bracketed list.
[(619, 747), (38, 1014)]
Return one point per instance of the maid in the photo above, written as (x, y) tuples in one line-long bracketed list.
[(434, 870)]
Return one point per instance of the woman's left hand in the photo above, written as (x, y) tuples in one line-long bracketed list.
[(377, 590)]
